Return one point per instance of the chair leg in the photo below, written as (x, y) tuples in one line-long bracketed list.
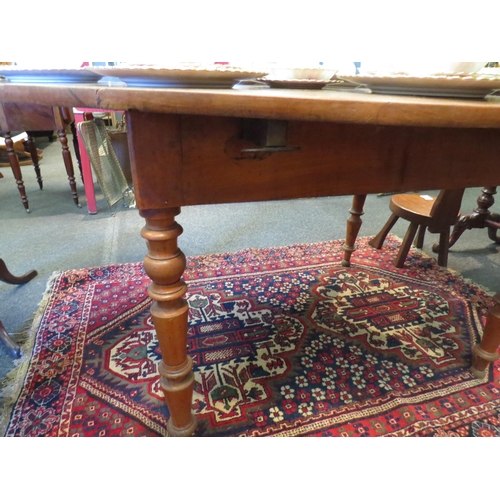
[(405, 246), (34, 157), (420, 237), (68, 163), (7, 277), (444, 245), (76, 147), (378, 241), (16, 169), (9, 343)]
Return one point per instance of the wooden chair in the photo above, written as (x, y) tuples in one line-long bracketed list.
[(28, 117), (7, 277), (423, 212)]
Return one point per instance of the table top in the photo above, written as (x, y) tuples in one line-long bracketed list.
[(284, 104)]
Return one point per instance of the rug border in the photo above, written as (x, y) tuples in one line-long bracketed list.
[(13, 383)]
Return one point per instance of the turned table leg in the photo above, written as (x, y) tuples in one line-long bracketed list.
[(34, 157), (353, 225), (487, 350), (68, 163), (16, 169), (480, 218), (165, 264)]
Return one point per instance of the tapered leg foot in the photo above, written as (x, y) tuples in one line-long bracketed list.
[(353, 226), (165, 264), (487, 350), (378, 240), (444, 241), (493, 226), (405, 246)]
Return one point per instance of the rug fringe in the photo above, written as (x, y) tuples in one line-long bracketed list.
[(12, 383)]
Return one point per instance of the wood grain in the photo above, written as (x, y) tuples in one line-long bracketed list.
[(308, 105), (194, 160)]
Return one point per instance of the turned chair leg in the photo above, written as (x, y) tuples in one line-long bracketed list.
[(405, 246), (378, 241), (32, 149), (16, 169), (68, 163)]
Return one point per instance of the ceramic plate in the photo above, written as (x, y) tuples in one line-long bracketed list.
[(16, 74), (194, 77), (462, 85)]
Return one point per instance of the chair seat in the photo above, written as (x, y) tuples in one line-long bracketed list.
[(414, 207)]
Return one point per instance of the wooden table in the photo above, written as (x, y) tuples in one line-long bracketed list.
[(204, 146)]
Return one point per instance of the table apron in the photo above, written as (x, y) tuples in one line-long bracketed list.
[(205, 159)]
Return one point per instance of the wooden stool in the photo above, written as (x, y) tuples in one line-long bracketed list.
[(422, 211)]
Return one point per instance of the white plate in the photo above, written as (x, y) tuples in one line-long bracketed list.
[(15, 74), (189, 77), (463, 85)]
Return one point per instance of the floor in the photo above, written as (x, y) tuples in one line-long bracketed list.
[(57, 235)]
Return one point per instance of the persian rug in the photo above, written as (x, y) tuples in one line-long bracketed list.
[(285, 342)]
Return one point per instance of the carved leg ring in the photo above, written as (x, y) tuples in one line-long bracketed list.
[(487, 351), (353, 225), (165, 264)]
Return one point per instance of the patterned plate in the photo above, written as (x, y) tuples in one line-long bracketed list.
[(466, 85), (189, 77)]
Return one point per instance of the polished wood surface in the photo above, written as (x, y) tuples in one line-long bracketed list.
[(437, 215), (325, 159), (283, 104), (218, 146), (165, 264)]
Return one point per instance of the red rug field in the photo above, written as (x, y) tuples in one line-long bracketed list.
[(285, 342)]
